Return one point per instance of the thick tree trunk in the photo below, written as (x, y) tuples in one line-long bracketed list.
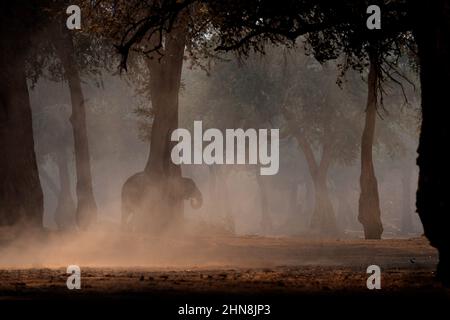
[(65, 210), (165, 83), (432, 32), (369, 203), (86, 206), (21, 198)]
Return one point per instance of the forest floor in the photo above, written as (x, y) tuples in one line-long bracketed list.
[(252, 269)]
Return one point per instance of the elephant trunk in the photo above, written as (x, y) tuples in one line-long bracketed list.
[(197, 200)]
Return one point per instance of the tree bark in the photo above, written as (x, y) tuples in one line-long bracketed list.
[(86, 206), (369, 203), (432, 33), (21, 197)]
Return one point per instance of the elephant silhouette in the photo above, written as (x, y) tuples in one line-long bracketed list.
[(140, 196)]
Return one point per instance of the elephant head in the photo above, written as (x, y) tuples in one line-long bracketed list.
[(191, 192)]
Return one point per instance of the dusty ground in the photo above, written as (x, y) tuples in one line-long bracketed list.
[(216, 269)]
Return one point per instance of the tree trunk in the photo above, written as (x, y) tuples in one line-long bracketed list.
[(369, 203), (47, 179), (323, 219), (21, 197), (165, 83), (65, 210), (86, 207), (432, 32)]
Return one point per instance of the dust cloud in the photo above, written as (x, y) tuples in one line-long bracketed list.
[(237, 202)]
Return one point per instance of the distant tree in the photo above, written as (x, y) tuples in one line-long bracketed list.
[(65, 48), (321, 116), (379, 51), (54, 140), (63, 55), (294, 92)]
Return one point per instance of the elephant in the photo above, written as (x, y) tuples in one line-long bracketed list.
[(143, 199)]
